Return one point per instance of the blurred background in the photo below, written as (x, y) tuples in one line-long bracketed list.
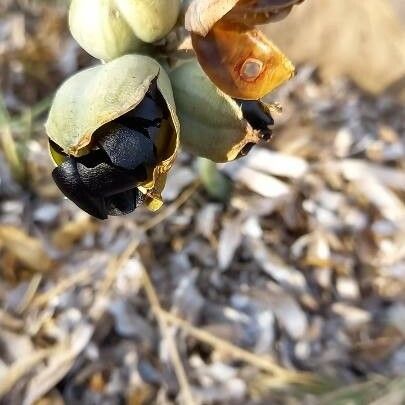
[(279, 280)]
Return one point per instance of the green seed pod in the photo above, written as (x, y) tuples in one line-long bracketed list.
[(88, 105), (100, 29), (150, 20), (213, 124)]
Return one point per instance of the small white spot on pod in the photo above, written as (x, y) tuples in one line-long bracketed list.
[(251, 69)]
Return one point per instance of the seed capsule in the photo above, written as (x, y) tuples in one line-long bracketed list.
[(108, 29), (100, 29), (150, 20), (214, 125), (113, 135), (103, 182), (241, 61)]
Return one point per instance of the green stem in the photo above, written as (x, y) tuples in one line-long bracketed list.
[(217, 185)]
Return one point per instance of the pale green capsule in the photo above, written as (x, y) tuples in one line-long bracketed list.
[(212, 123), (100, 29), (150, 20)]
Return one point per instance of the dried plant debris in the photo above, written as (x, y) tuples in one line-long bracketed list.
[(355, 35), (290, 291)]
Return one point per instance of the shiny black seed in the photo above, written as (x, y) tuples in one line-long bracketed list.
[(149, 112), (102, 178), (127, 148), (67, 178), (124, 203), (256, 115), (155, 94)]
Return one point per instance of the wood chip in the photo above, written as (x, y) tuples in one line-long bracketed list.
[(28, 250)]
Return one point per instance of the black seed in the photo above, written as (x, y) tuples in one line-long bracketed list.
[(103, 178), (148, 110), (257, 116), (148, 115), (246, 149), (153, 133), (153, 91), (67, 178), (127, 148), (124, 203)]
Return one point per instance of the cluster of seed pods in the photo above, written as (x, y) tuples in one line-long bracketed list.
[(114, 129)]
